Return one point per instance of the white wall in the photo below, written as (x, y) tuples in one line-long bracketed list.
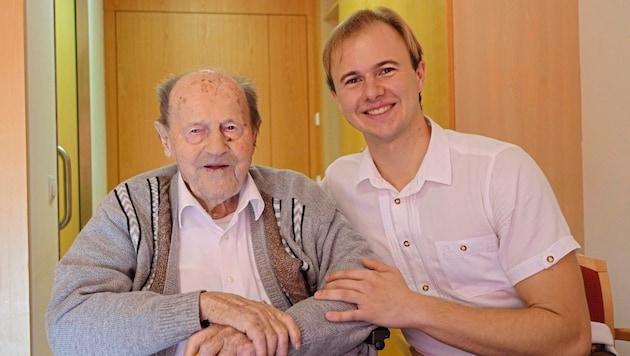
[(28, 157), (97, 102), (42, 165), (605, 76)]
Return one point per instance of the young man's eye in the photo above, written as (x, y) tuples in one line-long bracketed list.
[(352, 81), (387, 70)]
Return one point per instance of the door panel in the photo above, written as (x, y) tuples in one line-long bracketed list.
[(151, 46), (270, 49), (289, 94), (67, 124)]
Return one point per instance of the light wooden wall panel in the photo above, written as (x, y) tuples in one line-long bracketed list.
[(279, 7), (517, 78), (271, 42), (288, 71)]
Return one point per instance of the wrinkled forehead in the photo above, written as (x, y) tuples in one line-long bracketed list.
[(207, 86)]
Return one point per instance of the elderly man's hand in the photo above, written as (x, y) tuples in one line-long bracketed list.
[(219, 340), (269, 329)]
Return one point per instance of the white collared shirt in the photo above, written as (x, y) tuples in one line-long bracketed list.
[(218, 255), (478, 217)]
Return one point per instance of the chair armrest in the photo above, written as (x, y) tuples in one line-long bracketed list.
[(377, 337), (622, 334)]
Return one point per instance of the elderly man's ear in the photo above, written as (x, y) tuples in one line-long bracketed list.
[(256, 133), (163, 132)]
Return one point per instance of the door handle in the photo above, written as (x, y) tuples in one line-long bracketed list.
[(68, 180)]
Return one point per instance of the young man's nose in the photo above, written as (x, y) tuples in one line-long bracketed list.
[(372, 88)]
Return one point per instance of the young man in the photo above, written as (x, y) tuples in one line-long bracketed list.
[(211, 255), (478, 257)]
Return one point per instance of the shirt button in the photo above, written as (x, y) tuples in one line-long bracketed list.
[(550, 259), (407, 243), (230, 279), (397, 201), (425, 287), (463, 247)]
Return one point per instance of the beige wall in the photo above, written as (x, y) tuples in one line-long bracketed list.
[(28, 213), (14, 308), (604, 56)]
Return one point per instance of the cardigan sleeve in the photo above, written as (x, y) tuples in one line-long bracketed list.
[(323, 239), (339, 248), (97, 307)]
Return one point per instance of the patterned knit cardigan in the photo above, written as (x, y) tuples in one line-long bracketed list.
[(298, 240)]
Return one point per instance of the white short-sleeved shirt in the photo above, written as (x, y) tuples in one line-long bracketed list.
[(478, 218)]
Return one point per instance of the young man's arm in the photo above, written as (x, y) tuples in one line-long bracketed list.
[(555, 320)]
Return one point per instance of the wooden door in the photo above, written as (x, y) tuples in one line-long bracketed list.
[(147, 42)]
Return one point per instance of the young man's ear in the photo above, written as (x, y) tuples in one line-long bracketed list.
[(334, 96), (163, 132), (420, 74)]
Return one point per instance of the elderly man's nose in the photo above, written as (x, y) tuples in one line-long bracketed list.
[(216, 142)]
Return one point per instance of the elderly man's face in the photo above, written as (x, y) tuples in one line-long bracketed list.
[(210, 136)]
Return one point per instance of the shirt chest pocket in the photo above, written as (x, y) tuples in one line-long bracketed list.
[(472, 265)]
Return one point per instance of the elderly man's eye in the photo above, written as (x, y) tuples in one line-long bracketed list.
[(232, 131), (194, 134)]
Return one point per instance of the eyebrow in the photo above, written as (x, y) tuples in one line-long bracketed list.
[(378, 65), (232, 120)]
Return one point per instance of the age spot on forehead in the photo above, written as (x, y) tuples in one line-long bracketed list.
[(212, 83), (207, 85)]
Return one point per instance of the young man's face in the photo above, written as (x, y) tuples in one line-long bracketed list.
[(376, 86), (210, 135)]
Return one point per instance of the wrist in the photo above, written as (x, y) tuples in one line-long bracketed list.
[(203, 318)]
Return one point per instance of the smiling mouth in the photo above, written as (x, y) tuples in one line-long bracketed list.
[(380, 110)]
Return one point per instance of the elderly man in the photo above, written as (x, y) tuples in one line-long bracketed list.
[(211, 254)]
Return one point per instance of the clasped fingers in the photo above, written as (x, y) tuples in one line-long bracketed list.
[(219, 340), (269, 329)]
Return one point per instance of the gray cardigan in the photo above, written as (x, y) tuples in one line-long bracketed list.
[(116, 291)]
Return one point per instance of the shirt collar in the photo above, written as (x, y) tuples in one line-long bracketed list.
[(436, 165), (367, 171), (248, 194)]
